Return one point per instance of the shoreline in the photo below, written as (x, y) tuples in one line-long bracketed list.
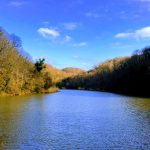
[(119, 93), (56, 89), (49, 91)]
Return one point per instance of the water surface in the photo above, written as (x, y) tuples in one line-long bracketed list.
[(73, 120)]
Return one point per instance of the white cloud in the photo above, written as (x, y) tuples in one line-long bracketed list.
[(48, 32), (82, 44), (67, 38), (124, 35), (16, 3), (70, 26), (142, 33)]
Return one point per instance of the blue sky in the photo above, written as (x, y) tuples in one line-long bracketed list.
[(78, 33)]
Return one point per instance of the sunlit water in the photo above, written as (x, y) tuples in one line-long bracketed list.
[(73, 120)]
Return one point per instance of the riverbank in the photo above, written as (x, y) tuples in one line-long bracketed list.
[(50, 90), (113, 92), (125, 75)]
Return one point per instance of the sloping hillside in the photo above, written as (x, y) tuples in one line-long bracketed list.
[(126, 75), (18, 74), (73, 70), (57, 74)]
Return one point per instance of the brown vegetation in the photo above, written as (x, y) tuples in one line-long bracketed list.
[(56, 74), (18, 74), (74, 71)]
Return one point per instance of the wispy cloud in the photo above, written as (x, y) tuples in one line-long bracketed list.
[(92, 15), (81, 44), (120, 45), (86, 62), (126, 15), (70, 25), (16, 3), (144, 0), (67, 38), (142, 33), (48, 32), (76, 57), (141, 1), (144, 5)]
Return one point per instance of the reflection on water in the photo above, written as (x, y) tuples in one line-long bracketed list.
[(141, 104), (74, 119), (2, 141)]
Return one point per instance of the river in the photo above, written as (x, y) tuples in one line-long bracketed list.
[(74, 120)]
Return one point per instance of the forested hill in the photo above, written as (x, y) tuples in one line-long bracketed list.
[(73, 70), (57, 74), (19, 75), (127, 75)]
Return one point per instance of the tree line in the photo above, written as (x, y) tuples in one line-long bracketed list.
[(126, 75), (18, 73)]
